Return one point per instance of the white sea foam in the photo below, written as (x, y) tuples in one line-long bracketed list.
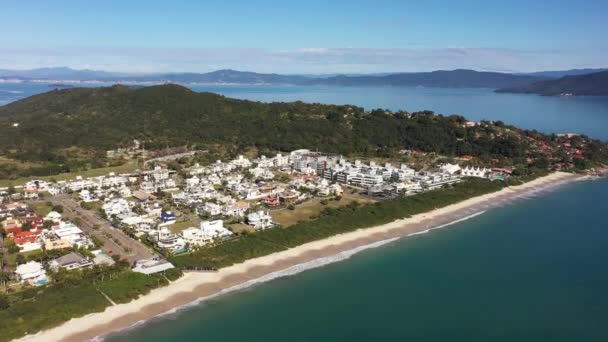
[(459, 220), (268, 277), (293, 270), (420, 232)]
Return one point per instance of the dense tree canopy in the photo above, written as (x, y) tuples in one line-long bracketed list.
[(72, 128)]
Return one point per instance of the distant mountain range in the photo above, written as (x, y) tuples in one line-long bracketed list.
[(590, 84), (562, 73), (448, 79), (442, 78), (57, 73)]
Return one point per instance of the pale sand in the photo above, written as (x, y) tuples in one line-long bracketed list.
[(195, 285)]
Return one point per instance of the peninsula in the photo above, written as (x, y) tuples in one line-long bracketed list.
[(120, 203)]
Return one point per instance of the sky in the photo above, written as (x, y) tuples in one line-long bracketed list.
[(303, 37)]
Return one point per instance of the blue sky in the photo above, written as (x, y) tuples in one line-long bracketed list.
[(303, 36)]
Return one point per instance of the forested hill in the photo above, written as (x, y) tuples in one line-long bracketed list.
[(59, 126), (590, 84), (441, 78)]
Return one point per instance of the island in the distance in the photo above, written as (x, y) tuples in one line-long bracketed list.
[(595, 84), (125, 202)]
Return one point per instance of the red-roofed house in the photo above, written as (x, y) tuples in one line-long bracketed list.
[(28, 240), (36, 221), (11, 226)]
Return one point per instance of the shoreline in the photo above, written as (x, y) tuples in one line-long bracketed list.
[(195, 287)]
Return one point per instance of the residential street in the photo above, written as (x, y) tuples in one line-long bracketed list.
[(126, 247)]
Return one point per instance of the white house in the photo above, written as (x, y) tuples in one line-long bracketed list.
[(260, 220), (124, 192), (237, 209), (116, 206), (208, 231), (211, 209), (280, 160), (37, 185), (194, 236), (53, 216), (450, 168), (152, 266), (86, 196), (241, 161), (69, 232), (475, 172), (215, 229), (31, 271), (71, 261), (172, 242)]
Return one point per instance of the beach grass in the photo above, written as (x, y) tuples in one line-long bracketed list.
[(41, 208), (179, 226), (76, 295), (310, 210)]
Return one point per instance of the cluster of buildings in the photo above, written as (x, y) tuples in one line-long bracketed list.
[(31, 232), (35, 273), (95, 188), (90, 188), (239, 190)]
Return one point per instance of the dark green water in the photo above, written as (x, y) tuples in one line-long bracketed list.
[(534, 270)]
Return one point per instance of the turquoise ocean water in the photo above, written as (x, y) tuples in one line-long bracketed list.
[(534, 270)]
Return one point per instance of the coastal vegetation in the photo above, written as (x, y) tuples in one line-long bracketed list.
[(332, 221), (74, 294)]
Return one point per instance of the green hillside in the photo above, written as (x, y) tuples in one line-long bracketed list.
[(70, 129)]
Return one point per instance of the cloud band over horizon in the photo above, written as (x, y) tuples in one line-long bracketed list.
[(296, 61)]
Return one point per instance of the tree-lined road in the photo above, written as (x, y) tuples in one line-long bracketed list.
[(92, 224)]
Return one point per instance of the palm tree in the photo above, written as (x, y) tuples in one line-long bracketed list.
[(4, 278)]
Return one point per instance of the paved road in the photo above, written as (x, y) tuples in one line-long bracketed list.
[(173, 156), (127, 248)]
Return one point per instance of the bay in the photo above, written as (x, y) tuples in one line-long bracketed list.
[(583, 115), (531, 271)]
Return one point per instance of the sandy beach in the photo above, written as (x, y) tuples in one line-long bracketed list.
[(196, 285)]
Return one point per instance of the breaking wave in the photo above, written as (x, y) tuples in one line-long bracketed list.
[(320, 262)]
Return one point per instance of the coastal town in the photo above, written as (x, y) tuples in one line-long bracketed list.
[(303, 171), (147, 215), (172, 204)]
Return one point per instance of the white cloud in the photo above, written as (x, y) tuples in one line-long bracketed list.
[(304, 60)]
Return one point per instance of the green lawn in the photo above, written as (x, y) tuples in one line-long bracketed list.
[(41, 208), (313, 207), (179, 226), (240, 227)]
